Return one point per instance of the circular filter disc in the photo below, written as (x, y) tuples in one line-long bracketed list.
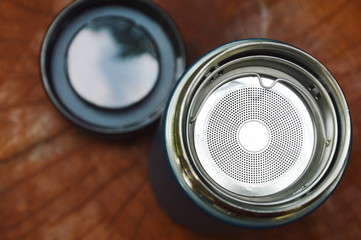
[(251, 140)]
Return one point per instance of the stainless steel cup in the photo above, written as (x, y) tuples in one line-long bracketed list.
[(257, 133)]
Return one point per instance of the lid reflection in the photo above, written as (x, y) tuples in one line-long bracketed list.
[(112, 63)]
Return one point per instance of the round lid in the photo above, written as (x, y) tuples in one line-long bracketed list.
[(109, 65)]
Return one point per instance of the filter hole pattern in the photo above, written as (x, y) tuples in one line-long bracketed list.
[(254, 104)]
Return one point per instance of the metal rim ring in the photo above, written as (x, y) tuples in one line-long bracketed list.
[(311, 81)]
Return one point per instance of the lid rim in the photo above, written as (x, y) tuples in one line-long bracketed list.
[(170, 31)]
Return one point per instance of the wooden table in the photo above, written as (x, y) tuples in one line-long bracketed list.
[(57, 182)]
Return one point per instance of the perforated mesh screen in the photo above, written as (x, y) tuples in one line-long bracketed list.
[(267, 107)]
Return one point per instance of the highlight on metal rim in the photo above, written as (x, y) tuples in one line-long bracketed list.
[(257, 133)]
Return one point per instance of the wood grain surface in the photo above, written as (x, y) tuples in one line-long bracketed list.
[(57, 182)]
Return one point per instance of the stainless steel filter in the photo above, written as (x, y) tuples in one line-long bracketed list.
[(257, 134)]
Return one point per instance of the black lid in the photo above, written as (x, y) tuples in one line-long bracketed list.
[(109, 65)]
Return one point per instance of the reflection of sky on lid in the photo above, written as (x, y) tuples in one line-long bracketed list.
[(112, 63)]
